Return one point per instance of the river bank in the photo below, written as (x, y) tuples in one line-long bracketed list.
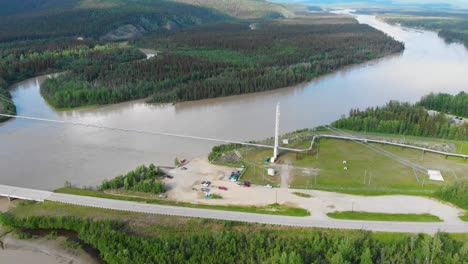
[(107, 153), (42, 250)]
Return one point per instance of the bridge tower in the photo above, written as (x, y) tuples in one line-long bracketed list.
[(275, 149)]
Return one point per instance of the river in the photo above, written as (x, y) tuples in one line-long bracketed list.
[(44, 156)]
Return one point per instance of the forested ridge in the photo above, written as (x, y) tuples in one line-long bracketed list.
[(94, 18), (249, 243), (224, 59), (451, 104), (403, 119)]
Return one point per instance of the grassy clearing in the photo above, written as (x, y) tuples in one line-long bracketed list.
[(305, 195), (368, 169), (274, 209), (351, 215), (369, 172)]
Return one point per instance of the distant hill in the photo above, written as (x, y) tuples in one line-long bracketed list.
[(244, 8), (382, 3), (120, 19), (13, 7)]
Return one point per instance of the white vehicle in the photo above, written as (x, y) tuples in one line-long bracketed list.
[(269, 186), (205, 183)]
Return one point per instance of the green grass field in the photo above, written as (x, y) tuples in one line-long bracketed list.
[(369, 171), (274, 209), (351, 215)]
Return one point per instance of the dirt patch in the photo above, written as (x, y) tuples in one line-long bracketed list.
[(42, 251)]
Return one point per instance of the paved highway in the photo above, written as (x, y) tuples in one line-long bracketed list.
[(38, 195)]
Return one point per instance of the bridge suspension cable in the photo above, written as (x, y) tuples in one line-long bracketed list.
[(62, 122)]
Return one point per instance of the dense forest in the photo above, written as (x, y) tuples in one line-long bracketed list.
[(249, 243), (142, 179), (223, 59), (20, 60), (451, 104), (30, 19), (403, 119), (453, 27), (6, 104)]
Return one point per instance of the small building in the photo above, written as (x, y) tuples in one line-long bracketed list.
[(435, 175), (286, 141), (271, 171)]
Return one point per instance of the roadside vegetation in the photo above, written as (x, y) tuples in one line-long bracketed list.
[(353, 215), (455, 193), (123, 237), (225, 58), (142, 179), (453, 27)]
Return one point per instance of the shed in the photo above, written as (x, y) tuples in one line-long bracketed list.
[(271, 171), (286, 141)]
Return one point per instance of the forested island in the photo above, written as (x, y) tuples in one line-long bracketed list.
[(412, 119), (224, 59), (20, 60), (205, 49)]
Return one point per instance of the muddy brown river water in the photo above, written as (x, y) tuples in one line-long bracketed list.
[(44, 156)]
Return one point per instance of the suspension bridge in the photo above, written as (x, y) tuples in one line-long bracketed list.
[(251, 144)]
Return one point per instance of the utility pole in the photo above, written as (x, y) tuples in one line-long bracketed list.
[(275, 150)]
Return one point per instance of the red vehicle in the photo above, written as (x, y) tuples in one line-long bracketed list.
[(223, 188), (247, 184)]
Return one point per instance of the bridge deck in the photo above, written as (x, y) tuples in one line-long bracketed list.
[(24, 193)]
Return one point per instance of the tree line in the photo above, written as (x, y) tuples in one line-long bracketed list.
[(403, 119), (6, 104), (20, 60), (142, 179), (451, 104), (249, 243), (205, 62), (72, 18)]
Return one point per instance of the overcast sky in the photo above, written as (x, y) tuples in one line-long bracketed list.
[(454, 3)]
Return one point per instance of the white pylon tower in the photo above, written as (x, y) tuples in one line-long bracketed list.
[(275, 149)]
